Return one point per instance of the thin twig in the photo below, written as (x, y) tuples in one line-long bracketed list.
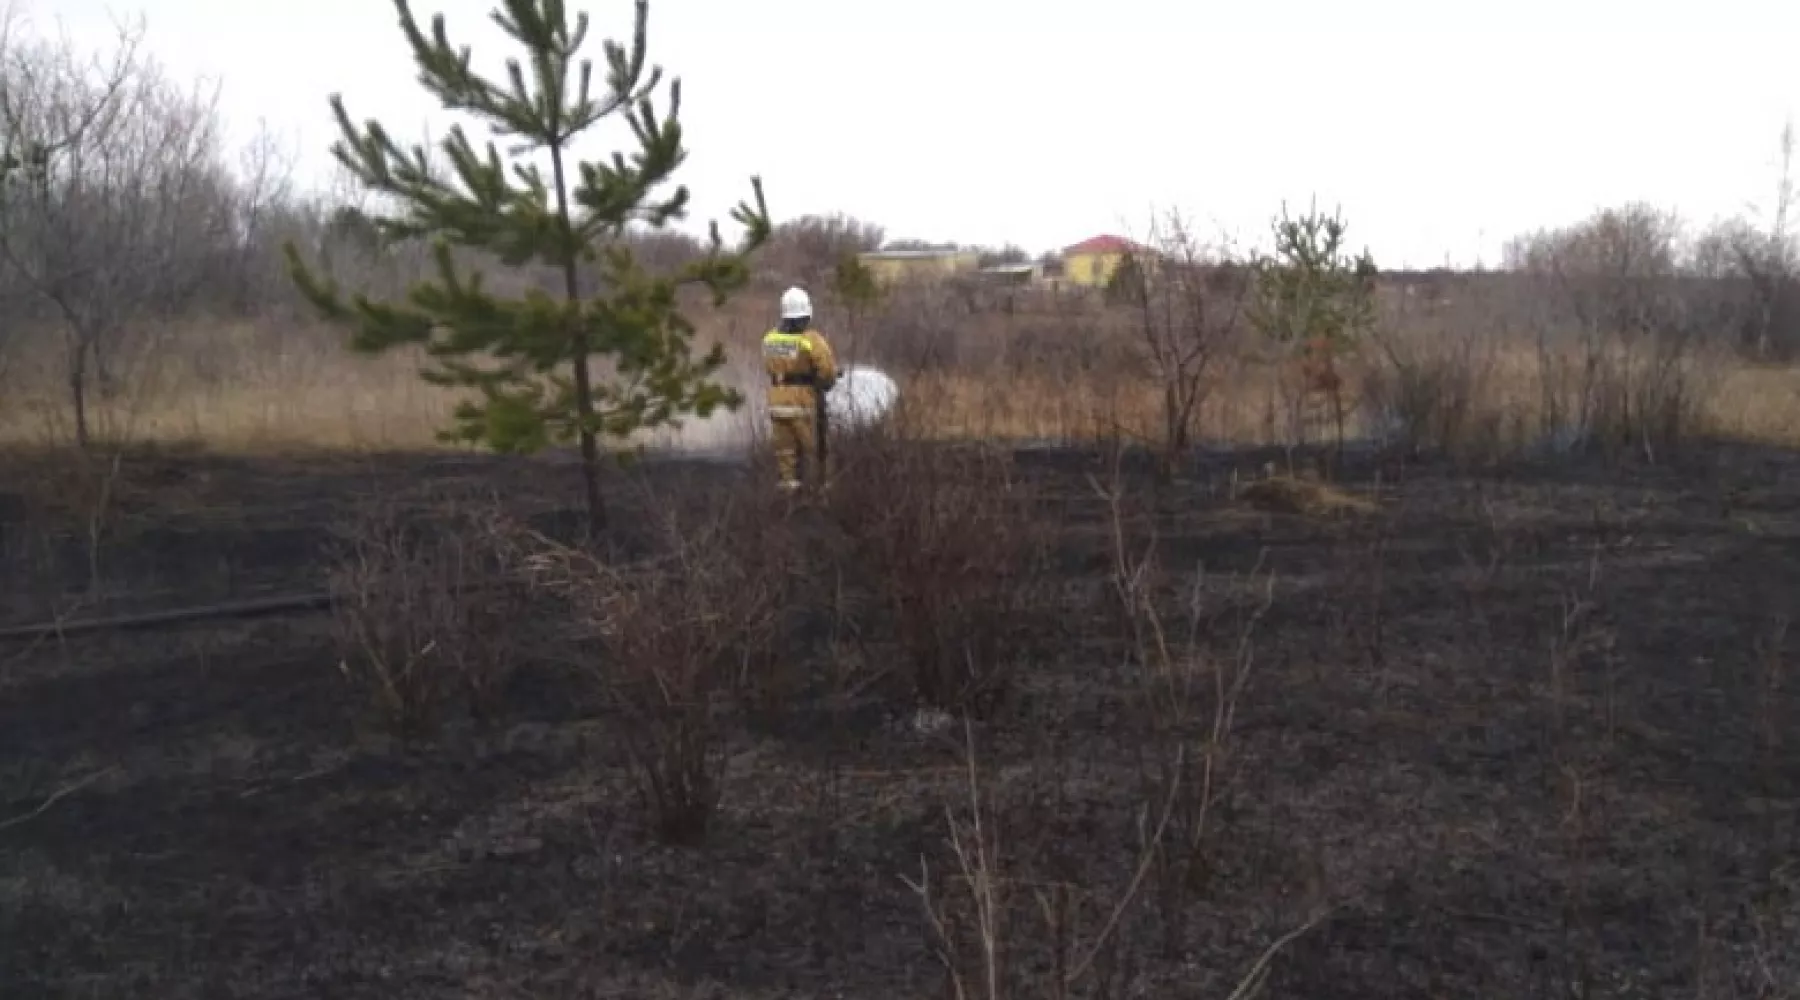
[(56, 797), (1151, 846), (1259, 971)]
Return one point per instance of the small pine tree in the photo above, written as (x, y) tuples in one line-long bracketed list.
[(530, 360), (1315, 300)]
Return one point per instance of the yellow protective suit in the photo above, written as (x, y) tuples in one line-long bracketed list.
[(801, 368)]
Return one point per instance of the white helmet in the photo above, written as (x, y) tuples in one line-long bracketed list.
[(796, 304)]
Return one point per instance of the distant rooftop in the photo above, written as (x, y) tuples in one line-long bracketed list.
[(1105, 244)]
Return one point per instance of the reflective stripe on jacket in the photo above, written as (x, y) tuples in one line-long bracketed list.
[(797, 365)]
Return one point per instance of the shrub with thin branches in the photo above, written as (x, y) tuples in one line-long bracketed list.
[(422, 613), (1436, 394), (1005, 920), (684, 634), (1189, 693), (1619, 394), (950, 543)]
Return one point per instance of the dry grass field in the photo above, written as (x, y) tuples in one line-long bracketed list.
[(257, 388)]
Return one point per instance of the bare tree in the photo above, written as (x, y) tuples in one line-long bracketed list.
[(50, 107), (1614, 269), (261, 191), (1188, 302), (112, 197), (1714, 254), (1770, 259), (809, 248)]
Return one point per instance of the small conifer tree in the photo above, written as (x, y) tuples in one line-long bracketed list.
[(531, 360), (1315, 299)]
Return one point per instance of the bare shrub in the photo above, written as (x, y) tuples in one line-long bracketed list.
[(685, 633), (66, 497), (999, 930), (1188, 302), (989, 907), (914, 330), (1437, 391), (1189, 691), (1005, 920), (949, 542), (1620, 338), (423, 612), (1613, 393), (1644, 398), (1770, 261)]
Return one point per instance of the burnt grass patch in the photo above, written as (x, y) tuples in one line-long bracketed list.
[(1527, 733)]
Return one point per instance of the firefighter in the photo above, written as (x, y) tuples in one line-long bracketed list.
[(801, 370)]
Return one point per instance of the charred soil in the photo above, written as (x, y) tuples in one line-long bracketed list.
[(1520, 734)]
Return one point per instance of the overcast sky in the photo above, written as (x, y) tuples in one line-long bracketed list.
[(1441, 128)]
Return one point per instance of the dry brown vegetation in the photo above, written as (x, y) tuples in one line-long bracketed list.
[(1463, 374), (1093, 673), (423, 608)]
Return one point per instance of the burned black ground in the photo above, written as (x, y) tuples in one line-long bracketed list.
[(1480, 823)]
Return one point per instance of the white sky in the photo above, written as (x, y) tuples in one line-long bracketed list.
[(1440, 127)]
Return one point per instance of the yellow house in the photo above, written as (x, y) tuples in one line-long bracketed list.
[(893, 266), (1091, 262)]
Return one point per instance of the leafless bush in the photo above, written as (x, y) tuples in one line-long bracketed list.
[(1190, 692), (65, 498), (1619, 394), (1000, 927), (1438, 392), (1188, 303), (1620, 337), (916, 330), (1072, 341), (1001, 930), (1612, 268), (950, 542), (424, 612), (685, 633)]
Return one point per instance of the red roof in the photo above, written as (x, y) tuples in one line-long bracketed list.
[(1103, 244)]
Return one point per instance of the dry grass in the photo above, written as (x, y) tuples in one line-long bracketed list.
[(248, 389), (1306, 497), (239, 389), (1758, 403)]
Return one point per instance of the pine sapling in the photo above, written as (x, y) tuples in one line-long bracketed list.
[(528, 362), (1314, 299)]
